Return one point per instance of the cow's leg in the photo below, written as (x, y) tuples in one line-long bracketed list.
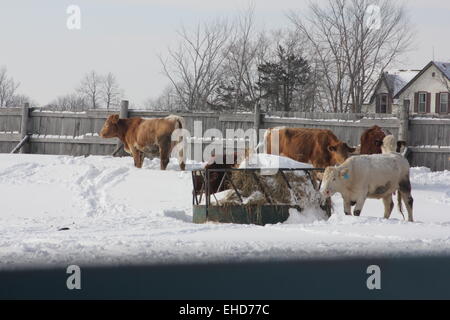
[(181, 156), (388, 206), (359, 206), (347, 207), (141, 159), (137, 157), (134, 154), (409, 201), (405, 192), (164, 153)]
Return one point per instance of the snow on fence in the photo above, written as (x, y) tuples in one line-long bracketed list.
[(76, 133)]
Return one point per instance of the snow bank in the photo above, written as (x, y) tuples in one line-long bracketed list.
[(116, 214), (268, 161), (422, 177), (307, 216)]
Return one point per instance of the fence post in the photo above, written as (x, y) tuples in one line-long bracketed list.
[(24, 126), (257, 121), (404, 121), (122, 115), (123, 109)]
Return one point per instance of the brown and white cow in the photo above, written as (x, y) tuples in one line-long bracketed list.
[(145, 136), (370, 176), (319, 147)]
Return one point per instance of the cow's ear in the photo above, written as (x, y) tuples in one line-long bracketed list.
[(350, 149), (332, 148), (400, 145), (344, 174)]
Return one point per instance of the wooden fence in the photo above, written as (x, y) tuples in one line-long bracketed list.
[(70, 133)]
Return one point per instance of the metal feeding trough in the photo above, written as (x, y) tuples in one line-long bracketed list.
[(206, 207)]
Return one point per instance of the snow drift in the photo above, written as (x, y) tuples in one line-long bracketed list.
[(61, 210)]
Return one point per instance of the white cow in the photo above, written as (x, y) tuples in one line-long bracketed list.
[(375, 177), (389, 144)]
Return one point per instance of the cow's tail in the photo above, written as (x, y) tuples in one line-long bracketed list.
[(262, 144), (399, 202), (267, 141), (180, 124), (180, 143), (265, 144)]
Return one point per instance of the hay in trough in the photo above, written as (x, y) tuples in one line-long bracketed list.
[(272, 189)]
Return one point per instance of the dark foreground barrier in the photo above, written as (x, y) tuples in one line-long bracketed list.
[(400, 278)]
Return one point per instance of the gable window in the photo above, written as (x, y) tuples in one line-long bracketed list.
[(422, 102), (382, 103), (443, 103)]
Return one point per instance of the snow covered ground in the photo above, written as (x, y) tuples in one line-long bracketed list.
[(61, 210)]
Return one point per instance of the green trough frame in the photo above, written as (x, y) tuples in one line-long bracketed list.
[(259, 215), (242, 214)]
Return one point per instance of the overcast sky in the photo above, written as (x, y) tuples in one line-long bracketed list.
[(125, 36)]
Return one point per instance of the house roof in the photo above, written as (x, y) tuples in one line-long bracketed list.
[(443, 67), (395, 81)]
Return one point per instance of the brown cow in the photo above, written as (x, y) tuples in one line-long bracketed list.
[(145, 136), (372, 141), (319, 147)]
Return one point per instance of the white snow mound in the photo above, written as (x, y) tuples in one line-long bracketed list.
[(61, 210)]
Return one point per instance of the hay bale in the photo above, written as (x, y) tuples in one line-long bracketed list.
[(275, 187)]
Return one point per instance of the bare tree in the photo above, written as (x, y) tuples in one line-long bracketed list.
[(194, 68), (352, 42), (110, 91), (90, 88), (446, 83), (167, 101), (71, 102), (19, 100), (244, 52), (8, 88)]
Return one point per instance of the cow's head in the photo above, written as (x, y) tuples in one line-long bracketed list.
[(389, 144), (401, 145), (377, 139), (110, 128), (333, 180), (340, 152)]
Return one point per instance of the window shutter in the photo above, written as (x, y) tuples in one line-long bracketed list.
[(428, 102), (448, 103), (416, 102), (438, 103), (378, 104), (389, 106)]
